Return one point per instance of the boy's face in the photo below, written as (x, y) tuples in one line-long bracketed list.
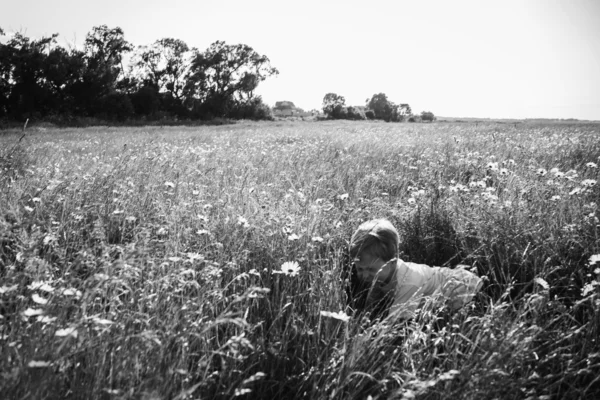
[(367, 266)]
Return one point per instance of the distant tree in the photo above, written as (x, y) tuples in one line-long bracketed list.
[(104, 49), (381, 106), (254, 109), (334, 106), (146, 101), (165, 64), (4, 79), (284, 105), (384, 109), (405, 110), (427, 116), (25, 90), (63, 70), (356, 113), (115, 106), (224, 77)]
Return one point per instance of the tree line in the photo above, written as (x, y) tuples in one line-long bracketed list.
[(377, 107), (40, 79)]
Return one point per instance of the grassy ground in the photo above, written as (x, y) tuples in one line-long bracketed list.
[(143, 262)]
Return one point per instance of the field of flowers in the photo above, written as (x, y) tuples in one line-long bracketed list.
[(209, 262)]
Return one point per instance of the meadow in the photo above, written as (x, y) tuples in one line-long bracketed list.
[(210, 262)]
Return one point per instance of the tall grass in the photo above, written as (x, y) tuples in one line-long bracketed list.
[(145, 262)]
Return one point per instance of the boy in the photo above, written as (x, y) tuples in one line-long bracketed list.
[(404, 286)]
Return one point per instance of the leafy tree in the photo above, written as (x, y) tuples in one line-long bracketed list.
[(224, 77), (146, 100), (62, 71), (104, 48), (38, 78), (384, 109), (165, 64), (115, 106), (356, 113), (5, 70), (284, 105), (24, 89), (334, 106), (427, 116), (405, 109), (103, 53), (381, 106), (253, 109)]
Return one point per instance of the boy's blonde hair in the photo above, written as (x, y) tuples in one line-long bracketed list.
[(377, 237)]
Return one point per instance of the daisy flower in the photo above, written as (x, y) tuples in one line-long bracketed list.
[(340, 316), (289, 268)]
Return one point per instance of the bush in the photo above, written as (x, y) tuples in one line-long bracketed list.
[(381, 106), (427, 116), (355, 113), (146, 101), (116, 106), (254, 109), (340, 112), (334, 106)]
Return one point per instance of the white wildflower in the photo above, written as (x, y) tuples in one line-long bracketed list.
[(72, 292), (72, 331), (44, 319), (31, 312), (8, 289), (243, 222), (39, 299), (588, 288), (493, 166), (588, 182), (340, 316), (38, 364), (289, 268)]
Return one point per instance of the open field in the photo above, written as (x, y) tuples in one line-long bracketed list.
[(146, 262)]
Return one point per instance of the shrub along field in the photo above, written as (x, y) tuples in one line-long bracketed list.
[(209, 262)]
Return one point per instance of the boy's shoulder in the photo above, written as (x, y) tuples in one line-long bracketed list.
[(413, 274)]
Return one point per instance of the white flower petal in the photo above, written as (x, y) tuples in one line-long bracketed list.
[(341, 316), (30, 312), (39, 299), (38, 364), (72, 331)]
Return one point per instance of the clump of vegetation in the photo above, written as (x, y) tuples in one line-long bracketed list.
[(209, 262), (164, 81), (427, 116), (378, 107)]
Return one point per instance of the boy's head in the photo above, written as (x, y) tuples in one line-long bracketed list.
[(377, 238)]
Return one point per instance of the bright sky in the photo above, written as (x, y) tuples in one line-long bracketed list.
[(459, 58)]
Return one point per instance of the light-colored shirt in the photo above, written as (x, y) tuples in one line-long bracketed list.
[(416, 284)]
